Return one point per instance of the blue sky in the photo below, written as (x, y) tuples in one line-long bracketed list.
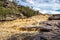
[(44, 6)]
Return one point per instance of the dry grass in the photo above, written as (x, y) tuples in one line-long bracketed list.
[(13, 27)]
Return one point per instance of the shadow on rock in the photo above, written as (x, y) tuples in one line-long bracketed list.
[(25, 37)]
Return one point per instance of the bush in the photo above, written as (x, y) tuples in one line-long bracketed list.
[(27, 11), (13, 9)]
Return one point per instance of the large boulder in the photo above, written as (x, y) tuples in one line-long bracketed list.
[(54, 17), (11, 17)]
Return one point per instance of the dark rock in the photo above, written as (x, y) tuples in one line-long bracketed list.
[(26, 37), (54, 17), (11, 17), (58, 25), (54, 34)]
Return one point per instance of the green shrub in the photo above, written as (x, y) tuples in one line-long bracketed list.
[(13, 9), (4, 12), (27, 11)]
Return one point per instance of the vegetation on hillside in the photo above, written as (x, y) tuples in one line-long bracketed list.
[(7, 7)]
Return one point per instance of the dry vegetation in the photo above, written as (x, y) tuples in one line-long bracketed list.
[(20, 25)]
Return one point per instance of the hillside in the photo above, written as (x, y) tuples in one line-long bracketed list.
[(10, 11)]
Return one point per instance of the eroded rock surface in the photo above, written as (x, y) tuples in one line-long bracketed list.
[(54, 34), (49, 30), (34, 28)]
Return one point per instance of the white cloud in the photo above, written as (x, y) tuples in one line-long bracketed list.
[(30, 1), (11, 0), (49, 12), (44, 6)]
